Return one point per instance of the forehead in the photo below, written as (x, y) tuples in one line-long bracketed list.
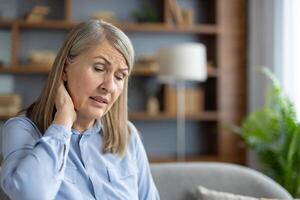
[(104, 49)]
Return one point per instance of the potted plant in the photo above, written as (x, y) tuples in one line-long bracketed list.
[(146, 13), (273, 132)]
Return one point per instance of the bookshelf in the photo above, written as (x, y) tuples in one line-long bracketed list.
[(222, 28)]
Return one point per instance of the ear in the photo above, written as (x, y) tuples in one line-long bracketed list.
[(64, 76)]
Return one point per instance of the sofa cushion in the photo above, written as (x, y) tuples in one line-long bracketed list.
[(207, 194), (204, 193)]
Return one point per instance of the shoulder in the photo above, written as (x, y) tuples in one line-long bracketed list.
[(135, 141), (18, 133), (134, 133), (20, 123), (132, 128), (136, 146)]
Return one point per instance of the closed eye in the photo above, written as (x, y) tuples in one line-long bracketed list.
[(120, 77), (99, 67)]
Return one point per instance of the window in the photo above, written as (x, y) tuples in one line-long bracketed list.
[(287, 48)]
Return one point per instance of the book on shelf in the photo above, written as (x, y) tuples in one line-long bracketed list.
[(10, 104), (194, 100), (179, 15)]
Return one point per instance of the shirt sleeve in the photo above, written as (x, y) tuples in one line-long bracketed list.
[(33, 166), (146, 186)]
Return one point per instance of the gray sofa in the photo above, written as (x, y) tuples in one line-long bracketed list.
[(178, 181)]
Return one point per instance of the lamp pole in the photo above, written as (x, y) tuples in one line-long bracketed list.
[(180, 120)]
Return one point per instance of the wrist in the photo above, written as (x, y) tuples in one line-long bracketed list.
[(62, 118)]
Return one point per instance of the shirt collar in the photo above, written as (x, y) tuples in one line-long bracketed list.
[(96, 128)]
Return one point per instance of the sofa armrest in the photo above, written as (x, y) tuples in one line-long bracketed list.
[(178, 181)]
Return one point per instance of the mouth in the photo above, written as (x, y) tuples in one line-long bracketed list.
[(99, 99)]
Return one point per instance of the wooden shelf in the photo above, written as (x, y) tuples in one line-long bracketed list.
[(146, 116), (205, 116), (6, 23), (29, 69), (25, 69), (47, 24), (160, 27), (212, 72), (126, 26), (143, 72)]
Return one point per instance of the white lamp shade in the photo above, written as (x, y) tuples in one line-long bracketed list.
[(183, 62)]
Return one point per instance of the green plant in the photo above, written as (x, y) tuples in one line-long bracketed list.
[(145, 14), (274, 134)]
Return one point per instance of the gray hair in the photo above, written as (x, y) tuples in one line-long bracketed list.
[(83, 36), (93, 32)]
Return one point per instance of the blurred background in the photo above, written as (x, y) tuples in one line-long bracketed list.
[(239, 37)]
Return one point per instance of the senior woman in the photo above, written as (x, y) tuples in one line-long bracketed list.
[(75, 141)]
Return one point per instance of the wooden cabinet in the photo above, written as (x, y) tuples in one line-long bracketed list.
[(221, 26)]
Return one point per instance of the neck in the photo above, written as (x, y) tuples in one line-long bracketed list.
[(82, 124)]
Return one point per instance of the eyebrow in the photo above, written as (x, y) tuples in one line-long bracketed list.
[(124, 69), (101, 57)]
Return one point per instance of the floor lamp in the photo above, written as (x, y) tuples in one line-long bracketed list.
[(180, 63)]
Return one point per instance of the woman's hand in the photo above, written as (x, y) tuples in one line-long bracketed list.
[(65, 114)]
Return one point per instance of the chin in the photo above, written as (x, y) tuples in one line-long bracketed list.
[(93, 114), (97, 115)]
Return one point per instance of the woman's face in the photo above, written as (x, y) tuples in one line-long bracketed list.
[(95, 79)]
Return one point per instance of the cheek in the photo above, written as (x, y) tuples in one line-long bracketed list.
[(74, 93), (78, 90), (118, 92)]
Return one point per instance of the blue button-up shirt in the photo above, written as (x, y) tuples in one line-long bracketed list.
[(64, 164)]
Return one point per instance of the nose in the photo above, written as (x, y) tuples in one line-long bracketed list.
[(108, 84)]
